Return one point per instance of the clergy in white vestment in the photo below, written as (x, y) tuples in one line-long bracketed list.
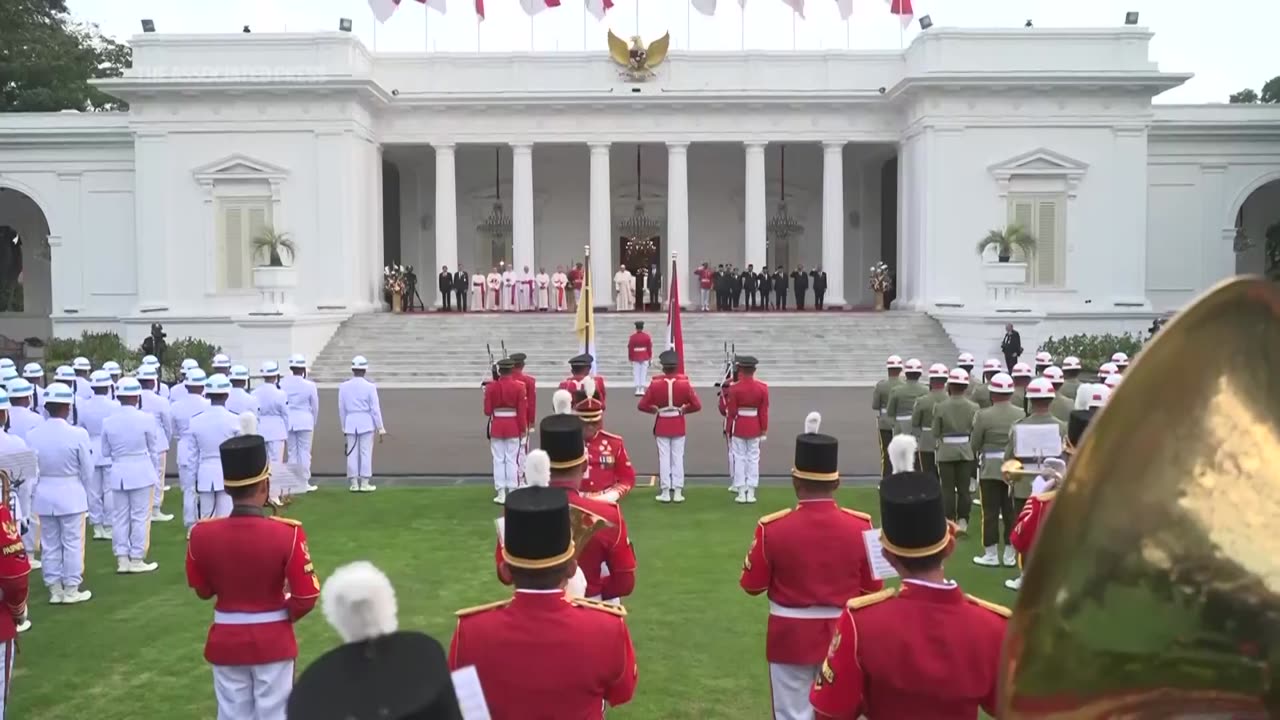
[(560, 285), (624, 288), (493, 281), (479, 299), (509, 290), (543, 281), (360, 415), (524, 290)]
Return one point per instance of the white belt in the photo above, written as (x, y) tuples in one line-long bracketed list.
[(815, 612), (669, 412), (60, 477), (132, 454), (249, 618), (993, 454), (955, 439), (748, 412), (504, 412), (902, 418)]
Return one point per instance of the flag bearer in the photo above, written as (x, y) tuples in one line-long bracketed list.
[(304, 413), (922, 416), (158, 408), (90, 415), (880, 404), (991, 431), (640, 354), (360, 415), (209, 430), (953, 427), (273, 411), (748, 417), (902, 399), (670, 397), (131, 439), (61, 500), (189, 404)]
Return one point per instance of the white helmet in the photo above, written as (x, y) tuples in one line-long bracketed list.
[(966, 360), (1107, 368), (958, 376), (893, 362), (1120, 359), (1112, 380), (914, 366), (1001, 384), (1040, 389), (1054, 374), (1071, 362), (1098, 396), (1022, 370), (992, 365), (938, 371), (1044, 358)]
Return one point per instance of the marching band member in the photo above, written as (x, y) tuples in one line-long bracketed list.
[(153, 362), (747, 412), (221, 364), (793, 558), (1043, 360), (304, 413), (115, 372), (479, 295), (60, 498), (1071, 377), (579, 369), (1022, 375), (240, 399), (669, 398), (91, 412), (1022, 536), (209, 430), (260, 572), (360, 415), (610, 474), (509, 302), (992, 428), (131, 440), (922, 416), (506, 404), (980, 392), (273, 410), (1121, 361), (544, 289), (880, 405), (1062, 405), (34, 374), (1039, 397), (952, 428), (65, 375), (926, 650), (966, 361), (13, 519), (160, 409), (560, 283), (22, 420), (189, 404), (640, 354), (15, 571), (902, 398)]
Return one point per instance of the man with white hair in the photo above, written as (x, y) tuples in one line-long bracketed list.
[(131, 439), (273, 410), (90, 415), (304, 413), (360, 415), (186, 407), (208, 431), (158, 408)]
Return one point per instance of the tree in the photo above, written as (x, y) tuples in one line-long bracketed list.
[(1245, 97), (1270, 94), (47, 59), (1271, 91)]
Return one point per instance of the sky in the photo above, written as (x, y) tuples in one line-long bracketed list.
[(1228, 45)]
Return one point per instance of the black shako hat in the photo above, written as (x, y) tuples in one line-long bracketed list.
[(562, 438), (669, 358), (244, 460), (1077, 423), (913, 523), (536, 528), (518, 358), (817, 457), (401, 676), (581, 361), (746, 362), (639, 324)]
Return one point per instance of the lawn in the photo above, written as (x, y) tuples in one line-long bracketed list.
[(134, 650)]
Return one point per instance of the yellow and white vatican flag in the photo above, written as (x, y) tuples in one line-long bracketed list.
[(585, 322)]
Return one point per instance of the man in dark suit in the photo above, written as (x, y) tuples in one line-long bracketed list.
[(655, 288), (445, 280), (1011, 345), (735, 288), (765, 282), (749, 285), (780, 288), (819, 286), (461, 280), (717, 284), (801, 281)]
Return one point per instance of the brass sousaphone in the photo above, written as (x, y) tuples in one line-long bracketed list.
[(1154, 588)]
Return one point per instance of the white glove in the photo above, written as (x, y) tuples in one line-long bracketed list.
[(610, 496), (382, 431), (763, 438), (577, 585), (1040, 484)]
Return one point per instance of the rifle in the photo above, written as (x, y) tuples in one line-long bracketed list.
[(493, 366)]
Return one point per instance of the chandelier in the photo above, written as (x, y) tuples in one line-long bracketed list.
[(497, 224), (782, 226), (639, 225)]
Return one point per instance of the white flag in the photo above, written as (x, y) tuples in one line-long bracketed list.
[(533, 7), (708, 7), (846, 8)]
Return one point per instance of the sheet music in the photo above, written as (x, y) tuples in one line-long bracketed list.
[(20, 464), (880, 567), (287, 480), (1037, 441), (466, 686)]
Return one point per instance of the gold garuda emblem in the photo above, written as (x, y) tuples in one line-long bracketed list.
[(636, 60)]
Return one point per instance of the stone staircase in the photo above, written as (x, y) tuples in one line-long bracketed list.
[(443, 350)]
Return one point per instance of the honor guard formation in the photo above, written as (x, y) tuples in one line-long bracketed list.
[(1010, 438)]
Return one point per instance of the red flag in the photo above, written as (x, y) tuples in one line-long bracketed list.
[(383, 9), (902, 8), (598, 8), (480, 9), (675, 334)]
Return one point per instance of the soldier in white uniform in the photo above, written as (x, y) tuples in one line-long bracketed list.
[(156, 406), (154, 362), (360, 415), (6, 363), (131, 440), (9, 373), (115, 371), (240, 400), (273, 411), (81, 367), (304, 412), (10, 443), (220, 365), (209, 430), (34, 374), (89, 415), (61, 500), (22, 420), (65, 375), (180, 389), (191, 403)]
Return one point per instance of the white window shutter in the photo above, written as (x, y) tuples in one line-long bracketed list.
[(1023, 216), (231, 242), (1047, 243)]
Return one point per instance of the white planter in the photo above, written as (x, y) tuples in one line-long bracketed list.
[(276, 284), (1004, 282)]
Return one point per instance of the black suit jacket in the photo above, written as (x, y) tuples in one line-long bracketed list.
[(819, 281), (780, 281), (460, 281), (765, 281), (749, 281), (446, 281), (1012, 343), (801, 280)]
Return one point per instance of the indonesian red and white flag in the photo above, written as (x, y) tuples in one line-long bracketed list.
[(598, 8), (846, 8), (708, 7), (383, 9), (675, 333), (796, 6), (533, 7), (902, 8), (479, 10)]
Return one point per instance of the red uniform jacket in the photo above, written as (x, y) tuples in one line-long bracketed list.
[(608, 562), (506, 402), (640, 347), (572, 384), (575, 279), (747, 408), (1025, 530), (670, 397), (809, 561), (15, 566), (608, 466), (723, 403), (542, 657), (531, 394), (252, 564), (704, 278), (919, 652)]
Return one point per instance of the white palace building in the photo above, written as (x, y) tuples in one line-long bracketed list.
[(906, 156)]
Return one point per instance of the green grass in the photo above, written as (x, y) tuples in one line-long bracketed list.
[(135, 650)]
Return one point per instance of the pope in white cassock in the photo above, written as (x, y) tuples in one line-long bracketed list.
[(560, 282), (544, 288), (624, 287)]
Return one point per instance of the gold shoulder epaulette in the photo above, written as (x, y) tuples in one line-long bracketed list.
[(602, 606), (866, 600), (857, 513), (482, 608), (1000, 610), (775, 516), (285, 520)]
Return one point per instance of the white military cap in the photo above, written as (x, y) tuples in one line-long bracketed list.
[(1107, 368), (32, 370), (128, 387), (81, 363), (9, 373), (893, 362), (1071, 362), (150, 360), (913, 366), (1022, 370), (221, 361), (20, 388), (1120, 359), (4, 400), (1053, 374), (146, 372), (100, 378), (195, 378), (217, 384), (58, 393), (958, 376), (1040, 389), (239, 372), (966, 359), (7, 363), (1001, 384), (938, 371), (270, 368), (189, 363), (64, 372), (1044, 358), (112, 367), (992, 365), (1098, 396), (297, 360), (1112, 380), (359, 362)]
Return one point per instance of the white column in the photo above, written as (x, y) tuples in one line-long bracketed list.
[(446, 222), (68, 275), (678, 216), (522, 206), (601, 220), (754, 217), (151, 198), (833, 221)]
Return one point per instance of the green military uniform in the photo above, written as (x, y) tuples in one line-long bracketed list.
[(989, 440), (1022, 488), (1019, 396), (980, 393), (922, 427), (1070, 387), (884, 422), (953, 420), (902, 400), (1062, 406)]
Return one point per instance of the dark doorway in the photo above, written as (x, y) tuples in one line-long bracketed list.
[(639, 254), (889, 222), (391, 216)]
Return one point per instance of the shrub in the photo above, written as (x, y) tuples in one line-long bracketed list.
[(188, 347), (1093, 350), (99, 347)]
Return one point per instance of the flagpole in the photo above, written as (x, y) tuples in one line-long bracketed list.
[(530, 33), (742, 28), (477, 33), (426, 28), (848, 42), (584, 24), (793, 29), (688, 26), (637, 17)]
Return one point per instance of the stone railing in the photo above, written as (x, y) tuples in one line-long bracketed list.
[(1005, 282)]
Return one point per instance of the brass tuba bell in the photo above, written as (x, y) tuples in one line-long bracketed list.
[(1154, 587)]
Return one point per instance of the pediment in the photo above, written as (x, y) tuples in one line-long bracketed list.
[(1041, 162), (239, 167)]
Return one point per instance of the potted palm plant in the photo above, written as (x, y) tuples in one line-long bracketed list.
[(1006, 241), (274, 278)]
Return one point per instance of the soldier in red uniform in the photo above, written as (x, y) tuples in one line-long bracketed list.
[(531, 393), (608, 561), (506, 403), (610, 474), (926, 650), (580, 367), (731, 377), (259, 570), (541, 655), (670, 397), (15, 566), (747, 413), (808, 561), (639, 354)]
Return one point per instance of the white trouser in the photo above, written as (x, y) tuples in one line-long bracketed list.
[(30, 538), (62, 548), (733, 472), (359, 455), (215, 504), (7, 656), (275, 450), (300, 451), (790, 685), (253, 692), (187, 481), (505, 452), (99, 496), (131, 522), (705, 295), (640, 374), (746, 462), (671, 462), (161, 460)]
